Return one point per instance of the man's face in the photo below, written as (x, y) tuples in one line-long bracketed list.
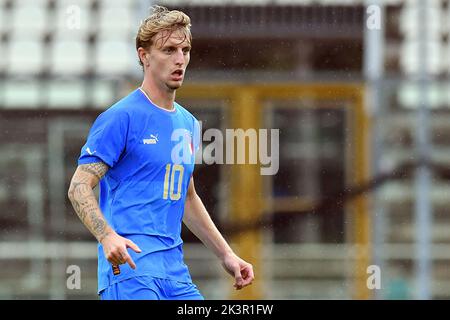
[(168, 58)]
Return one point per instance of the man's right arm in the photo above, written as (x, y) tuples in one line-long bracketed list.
[(83, 200), (82, 197)]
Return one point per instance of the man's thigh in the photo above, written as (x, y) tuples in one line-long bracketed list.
[(176, 290), (131, 289)]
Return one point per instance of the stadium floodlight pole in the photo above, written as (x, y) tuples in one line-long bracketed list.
[(423, 218), (373, 72)]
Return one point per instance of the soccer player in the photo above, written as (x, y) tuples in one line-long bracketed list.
[(141, 151)]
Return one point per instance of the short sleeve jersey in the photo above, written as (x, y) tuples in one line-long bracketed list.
[(150, 152)]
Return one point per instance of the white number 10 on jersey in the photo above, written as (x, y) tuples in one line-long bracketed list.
[(169, 179)]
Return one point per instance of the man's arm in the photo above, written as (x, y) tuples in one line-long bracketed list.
[(199, 222), (82, 197)]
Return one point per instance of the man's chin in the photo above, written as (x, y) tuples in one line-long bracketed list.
[(174, 85)]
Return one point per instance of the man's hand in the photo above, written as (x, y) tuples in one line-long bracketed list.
[(241, 270), (115, 249)]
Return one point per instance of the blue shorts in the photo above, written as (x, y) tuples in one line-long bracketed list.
[(151, 288)]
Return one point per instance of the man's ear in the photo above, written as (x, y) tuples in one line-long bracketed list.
[(143, 55)]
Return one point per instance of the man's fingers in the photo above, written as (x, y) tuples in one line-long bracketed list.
[(247, 282), (116, 252), (115, 258), (133, 246), (244, 277), (238, 278), (130, 261), (122, 258), (248, 274)]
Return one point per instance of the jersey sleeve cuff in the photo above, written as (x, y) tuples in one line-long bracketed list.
[(93, 159)]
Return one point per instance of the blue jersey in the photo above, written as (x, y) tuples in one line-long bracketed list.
[(150, 152)]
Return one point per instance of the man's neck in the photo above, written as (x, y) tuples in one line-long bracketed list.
[(162, 98)]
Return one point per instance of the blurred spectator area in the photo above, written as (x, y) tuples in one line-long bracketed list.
[(64, 61), (84, 50), (76, 54)]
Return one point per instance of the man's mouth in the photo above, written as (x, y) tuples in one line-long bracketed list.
[(177, 74)]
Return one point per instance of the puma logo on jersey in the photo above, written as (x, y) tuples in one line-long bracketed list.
[(153, 139)]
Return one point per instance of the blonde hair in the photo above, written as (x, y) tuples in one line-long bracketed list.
[(162, 19)]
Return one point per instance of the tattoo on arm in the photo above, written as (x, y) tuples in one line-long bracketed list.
[(98, 169), (83, 199)]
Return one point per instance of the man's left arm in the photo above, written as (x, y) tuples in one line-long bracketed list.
[(197, 219)]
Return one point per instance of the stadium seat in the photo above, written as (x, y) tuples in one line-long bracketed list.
[(410, 61), (103, 94), (21, 94), (79, 3), (74, 21), (119, 3), (447, 60), (2, 57), (66, 93), (409, 95), (29, 21), (115, 58), (446, 19), (33, 3), (125, 23), (3, 18), (25, 57), (409, 26), (69, 57)]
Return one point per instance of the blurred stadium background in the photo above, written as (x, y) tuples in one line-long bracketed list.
[(364, 140)]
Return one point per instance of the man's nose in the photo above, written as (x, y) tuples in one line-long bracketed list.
[(179, 57)]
